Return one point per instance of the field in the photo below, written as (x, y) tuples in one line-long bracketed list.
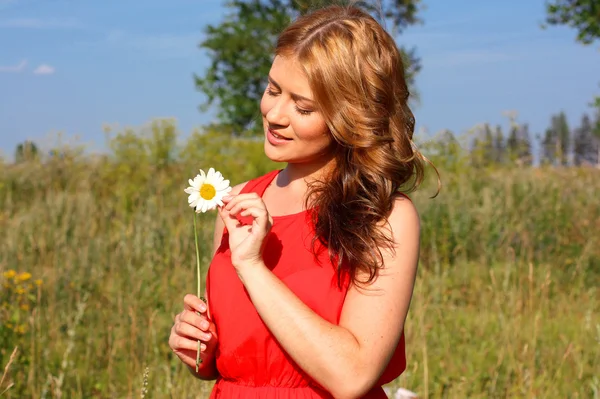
[(96, 254)]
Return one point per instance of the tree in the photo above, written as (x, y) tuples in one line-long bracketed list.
[(241, 47), (26, 151), (524, 147), (488, 144), (482, 147), (499, 148), (556, 141), (518, 144), (583, 15), (584, 143), (512, 143)]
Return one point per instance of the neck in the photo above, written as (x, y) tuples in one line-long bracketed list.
[(301, 174)]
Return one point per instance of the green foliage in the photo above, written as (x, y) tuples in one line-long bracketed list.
[(26, 151), (585, 145), (503, 306), (583, 15), (556, 143), (241, 48)]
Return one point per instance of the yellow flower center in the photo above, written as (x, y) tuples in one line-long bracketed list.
[(208, 191)]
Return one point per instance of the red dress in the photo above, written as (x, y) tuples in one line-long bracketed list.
[(250, 361)]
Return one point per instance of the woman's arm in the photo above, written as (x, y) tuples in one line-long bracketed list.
[(346, 359)]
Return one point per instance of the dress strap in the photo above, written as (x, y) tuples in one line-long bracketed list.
[(260, 184)]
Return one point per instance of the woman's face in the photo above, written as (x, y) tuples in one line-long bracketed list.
[(295, 131)]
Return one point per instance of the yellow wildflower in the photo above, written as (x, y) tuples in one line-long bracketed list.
[(24, 276), (38, 282), (9, 274), (25, 307), (20, 291)]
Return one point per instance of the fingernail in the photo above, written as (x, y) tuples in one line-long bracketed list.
[(204, 325), (202, 308)]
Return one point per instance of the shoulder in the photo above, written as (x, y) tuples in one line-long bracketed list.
[(255, 183), (238, 188), (404, 218)]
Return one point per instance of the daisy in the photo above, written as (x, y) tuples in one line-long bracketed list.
[(207, 190)]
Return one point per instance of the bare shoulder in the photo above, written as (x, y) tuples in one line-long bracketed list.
[(404, 220), (238, 188)]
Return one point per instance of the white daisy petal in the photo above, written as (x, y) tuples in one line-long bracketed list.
[(222, 185), (212, 178), (194, 196)]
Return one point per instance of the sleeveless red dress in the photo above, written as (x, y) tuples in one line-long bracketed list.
[(250, 361)]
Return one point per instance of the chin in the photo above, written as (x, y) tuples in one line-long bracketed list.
[(273, 154)]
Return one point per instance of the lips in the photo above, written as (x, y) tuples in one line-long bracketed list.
[(278, 136)]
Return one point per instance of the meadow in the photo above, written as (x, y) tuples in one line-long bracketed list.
[(97, 252)]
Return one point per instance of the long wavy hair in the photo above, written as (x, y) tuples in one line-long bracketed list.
[(356, 74)]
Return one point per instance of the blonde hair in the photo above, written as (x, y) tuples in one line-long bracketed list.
[(356, 74)]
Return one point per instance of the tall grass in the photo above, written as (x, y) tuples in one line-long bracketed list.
[(505, 305)]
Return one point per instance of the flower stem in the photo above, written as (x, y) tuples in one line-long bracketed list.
[(199, 279), (197, 258)]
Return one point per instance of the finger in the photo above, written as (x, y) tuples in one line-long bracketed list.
[(188, 357), (262, 220), (245, 204), (179, 344), (230, 201), (190, 331), (230, 221), (193, 303), (195, 320)]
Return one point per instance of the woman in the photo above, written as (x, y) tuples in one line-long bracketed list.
[(314, 265)]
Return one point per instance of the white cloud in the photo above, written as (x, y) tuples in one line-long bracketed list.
[(20, 67), (37, 23), (44, 69)]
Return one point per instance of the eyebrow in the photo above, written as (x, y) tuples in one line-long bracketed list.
[(295, 97)]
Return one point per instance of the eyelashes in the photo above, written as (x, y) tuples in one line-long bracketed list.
[(299, 110)]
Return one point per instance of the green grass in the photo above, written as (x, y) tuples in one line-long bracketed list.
[(506, 303)]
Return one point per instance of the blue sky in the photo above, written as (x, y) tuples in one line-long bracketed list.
[(73, 66)]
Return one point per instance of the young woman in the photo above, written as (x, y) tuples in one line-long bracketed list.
[(314, 264)]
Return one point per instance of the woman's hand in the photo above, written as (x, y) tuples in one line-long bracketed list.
[(246, 242), (189, 327)]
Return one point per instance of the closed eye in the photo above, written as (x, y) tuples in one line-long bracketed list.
[(301, 111)]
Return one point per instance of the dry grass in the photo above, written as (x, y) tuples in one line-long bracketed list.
[(506, 302)]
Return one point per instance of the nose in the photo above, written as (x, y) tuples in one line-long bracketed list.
[(277, 116)]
